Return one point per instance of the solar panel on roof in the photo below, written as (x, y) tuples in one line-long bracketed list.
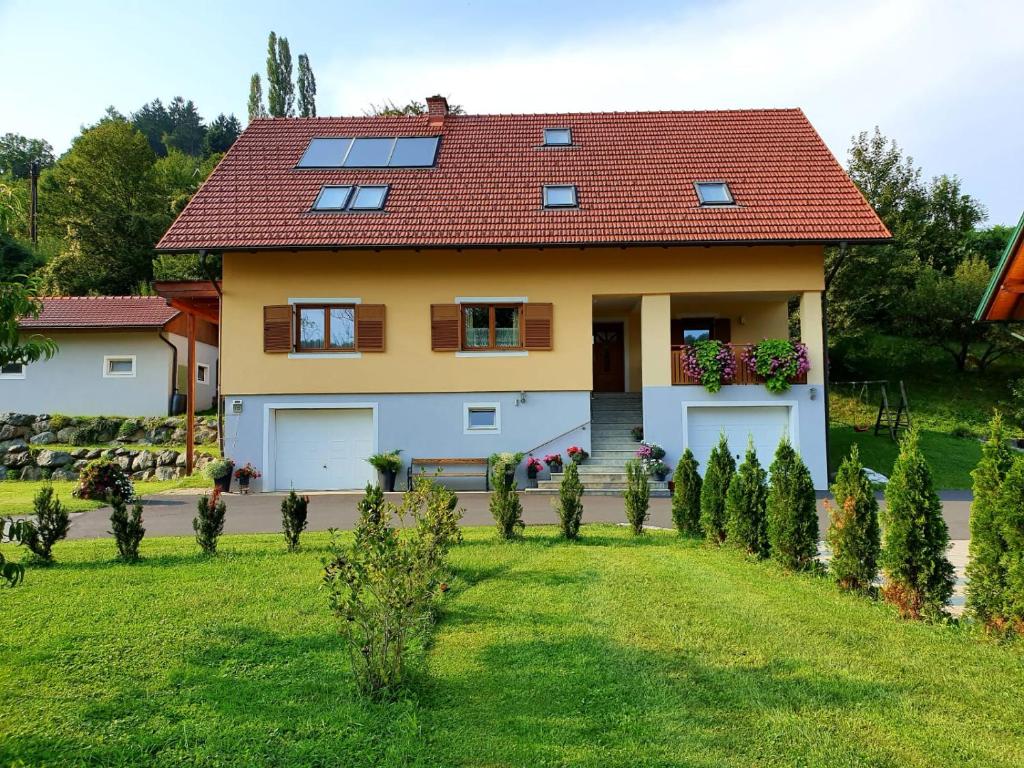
[(324, 153)]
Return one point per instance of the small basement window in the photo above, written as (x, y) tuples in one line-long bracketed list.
[(202, 373), (713, 193), (560, 196), (12, 371), (557, 137), (119, 367), (481, 417)]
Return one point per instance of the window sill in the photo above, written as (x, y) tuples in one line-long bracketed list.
[(493, 353), (324, 355)]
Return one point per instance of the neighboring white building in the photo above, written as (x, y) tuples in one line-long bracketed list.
[(118, 356)]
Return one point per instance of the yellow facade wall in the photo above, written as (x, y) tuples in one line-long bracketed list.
[(408, 282)]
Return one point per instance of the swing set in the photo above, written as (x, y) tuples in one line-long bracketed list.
[(886, 418)]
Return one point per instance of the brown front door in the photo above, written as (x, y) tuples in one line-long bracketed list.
[(609, 357)]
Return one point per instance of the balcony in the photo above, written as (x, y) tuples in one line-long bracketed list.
[(743, 374)]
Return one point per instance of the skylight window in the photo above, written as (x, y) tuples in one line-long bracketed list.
[(348, 198), (557, 137), (560, 196), (713, 193), (371, 152)]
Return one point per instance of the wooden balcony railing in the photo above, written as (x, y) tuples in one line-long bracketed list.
[(743, 374)]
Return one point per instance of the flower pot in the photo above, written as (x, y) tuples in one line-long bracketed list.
[(671, 486), (387, 479), (243, 484), (510, 476), (223, 484), (555, 469), (660, 476)]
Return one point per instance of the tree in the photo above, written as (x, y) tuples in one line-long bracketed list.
[(294, 514), (791, 510), (280, 89), (17, 301), (17, 153), (306, 87), (221, 134), (388, 108), (127, 527), (637, 495), (16, 260), (50, 524), (569, 503), (952, 217), (686, 496), (717, 476), (919, 578), (187, 132), (179, 175), (745, 524), (103, 198), (1012, 503), (853, 534), (13, 208), (153, 121), (988, 243), (256, 108), (986, 566), (940, 309)]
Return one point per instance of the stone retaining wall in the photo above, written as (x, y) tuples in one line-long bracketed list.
[(20, 461), (46, 429)]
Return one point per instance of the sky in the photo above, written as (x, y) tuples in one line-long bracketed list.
[(943, 78)]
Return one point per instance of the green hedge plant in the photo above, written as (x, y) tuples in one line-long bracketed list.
[(1012, 504), (126, 528), (49, 524), (918, 577), (294, 513), (569, 503), (745, 524), (637, 495), (208, 524), (506, 506), (791, 510), (686, 485), (717, 476), (853, 533)]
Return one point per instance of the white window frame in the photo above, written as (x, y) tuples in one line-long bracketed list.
[(468, 430), (20, 375), (202, 367), (107, 374)]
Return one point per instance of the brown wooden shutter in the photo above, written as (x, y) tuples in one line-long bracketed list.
[(722, 329), (277, 328), (370, 327), (444, 327), (537, 326)]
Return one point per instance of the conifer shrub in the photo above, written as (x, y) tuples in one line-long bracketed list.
[(717, 476), (506, 506), (745, 523), (791, 510), (50, 523), (986, 567), (569, 503), (918, 577), (686, 496), (853, 532), (1012, 519), (294, 511), (637, 495), (209, 522), (126, 528)]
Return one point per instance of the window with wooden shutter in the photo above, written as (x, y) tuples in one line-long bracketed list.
[(370, 327), (537, 326), (277, 328), (444, 327)]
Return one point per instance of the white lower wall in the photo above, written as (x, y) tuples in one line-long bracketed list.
[(206, 393)]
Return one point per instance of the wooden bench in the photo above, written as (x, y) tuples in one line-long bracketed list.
[(483, 471)]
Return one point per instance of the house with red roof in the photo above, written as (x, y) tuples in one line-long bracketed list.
[(1003, 302), (117, 356), (458, 285)]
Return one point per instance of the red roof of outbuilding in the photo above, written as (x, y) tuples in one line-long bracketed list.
[(101, 312), (634, 172)]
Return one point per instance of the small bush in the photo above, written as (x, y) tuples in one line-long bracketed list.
[(745, 524), (218, 469), (962, 431), (370, 507), (717, 476), (637, 495), (383, 587), (209, 522), (791, 510), (1012, 503), (102, 478), (569, 503), (294, 510), (506, 506), (128, 428), (919, 578), (986, 566), (127, 528), (50, 524), (59, 421), (686, 496), (853, 533)]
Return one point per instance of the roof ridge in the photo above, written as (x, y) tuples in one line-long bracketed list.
[(614, 112)]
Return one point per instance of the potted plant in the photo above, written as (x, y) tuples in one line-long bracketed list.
[(506, 462), (711, 362), (577, 454), (533, 467), (219, 471), (387, 465), (554, 462), (637, 432), (244, 474), (657, 468), (779, 362), (651, 455)]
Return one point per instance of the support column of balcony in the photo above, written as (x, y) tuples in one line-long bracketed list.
[(812, 335), (656, 340)]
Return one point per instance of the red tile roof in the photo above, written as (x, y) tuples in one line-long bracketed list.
[(634, 171), (101, 312)]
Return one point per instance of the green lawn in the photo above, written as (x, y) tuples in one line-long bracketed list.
[(609, 652), (16, 495)]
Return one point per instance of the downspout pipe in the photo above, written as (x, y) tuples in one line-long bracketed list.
[(220, 345), (824, 342), (174, 371)]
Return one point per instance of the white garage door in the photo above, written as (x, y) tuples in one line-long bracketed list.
[(766, 423), (323, 450)]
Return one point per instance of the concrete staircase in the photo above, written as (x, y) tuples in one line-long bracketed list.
[(612, 417)]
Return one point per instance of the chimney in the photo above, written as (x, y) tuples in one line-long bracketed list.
[(437, 109)]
